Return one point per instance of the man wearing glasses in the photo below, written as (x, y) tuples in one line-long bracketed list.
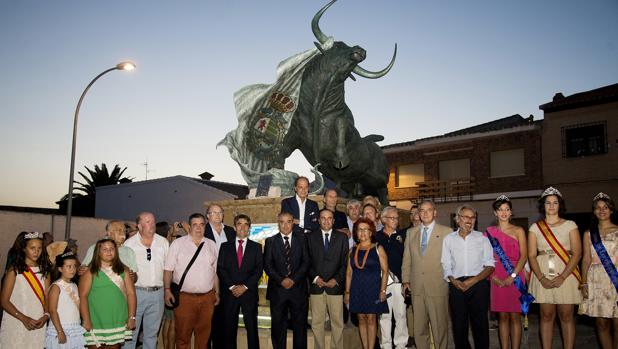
[(392, 241), (150, 253), (467, 260)]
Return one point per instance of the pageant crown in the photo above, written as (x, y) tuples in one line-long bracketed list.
[(551, 191), (601, 195), (67, 254), (503, 198), (33, 235)]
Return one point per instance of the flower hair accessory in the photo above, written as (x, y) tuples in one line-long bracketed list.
[(551, 191), (600, 196), (33, 235), (502, 198)]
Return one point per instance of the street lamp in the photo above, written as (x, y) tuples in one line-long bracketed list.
[(120, 66)]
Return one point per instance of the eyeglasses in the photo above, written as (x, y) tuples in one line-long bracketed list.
[(392, 218), (467, 218), (148, 254)]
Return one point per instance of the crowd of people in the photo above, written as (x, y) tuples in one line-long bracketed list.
[(356, 266)]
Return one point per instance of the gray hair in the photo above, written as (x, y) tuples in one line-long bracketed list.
[(388, 209), (464, 207), (353, 202), (211, 206), (427, 201)]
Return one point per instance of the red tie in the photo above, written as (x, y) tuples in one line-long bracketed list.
[(239, 253)]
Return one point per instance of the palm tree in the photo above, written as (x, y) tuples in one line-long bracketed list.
[(83, 203)]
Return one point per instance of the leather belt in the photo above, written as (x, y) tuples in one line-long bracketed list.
[(196, 294), (149, 288)]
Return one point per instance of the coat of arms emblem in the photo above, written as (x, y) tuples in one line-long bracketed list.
[(269, 126)]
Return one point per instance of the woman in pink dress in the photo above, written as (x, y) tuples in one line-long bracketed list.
[(504, 294)]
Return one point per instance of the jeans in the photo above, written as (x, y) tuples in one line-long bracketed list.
[(149, 313)]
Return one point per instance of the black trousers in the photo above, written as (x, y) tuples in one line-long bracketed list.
[(470, 308), (297, 307), (231, 307), (217, 340)]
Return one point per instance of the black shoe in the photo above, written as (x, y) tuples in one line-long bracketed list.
[(411, 343)]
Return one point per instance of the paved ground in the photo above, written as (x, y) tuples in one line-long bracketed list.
[(585, 336)]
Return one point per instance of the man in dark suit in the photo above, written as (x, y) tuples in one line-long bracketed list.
[(219, 233), (330, 202), (286, 261), (239, 268), (328, 250), (303, 209)]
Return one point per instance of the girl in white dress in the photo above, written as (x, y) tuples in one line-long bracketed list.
[(65, 332), (23, 294)]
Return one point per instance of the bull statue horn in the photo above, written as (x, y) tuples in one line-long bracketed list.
[(322, 38), (358, 70), (317, 186), (315, 23)]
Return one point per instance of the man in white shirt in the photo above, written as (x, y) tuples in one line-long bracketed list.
[(467, 261), (150, 253)]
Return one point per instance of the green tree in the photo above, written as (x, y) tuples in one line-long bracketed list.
[(84, 194)]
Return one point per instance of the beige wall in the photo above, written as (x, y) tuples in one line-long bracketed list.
[(579, 179), (85, 230)]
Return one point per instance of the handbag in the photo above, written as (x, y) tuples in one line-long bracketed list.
[(175, 287)]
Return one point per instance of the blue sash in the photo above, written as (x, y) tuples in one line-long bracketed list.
[(526, 298), (608, 265)]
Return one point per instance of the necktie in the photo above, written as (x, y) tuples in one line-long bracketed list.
[(326, 243), (288, 255), (424, 240), (239, 253)]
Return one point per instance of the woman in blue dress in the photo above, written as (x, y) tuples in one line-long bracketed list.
[(366, 281)]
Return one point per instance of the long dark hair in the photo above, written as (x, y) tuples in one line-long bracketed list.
[(95, 265), (60, 259), (18, 255), (613, 217)]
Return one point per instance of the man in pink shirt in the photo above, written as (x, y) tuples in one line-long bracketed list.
[(200, 287)]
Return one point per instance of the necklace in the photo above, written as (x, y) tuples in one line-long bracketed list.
[(364, 258)]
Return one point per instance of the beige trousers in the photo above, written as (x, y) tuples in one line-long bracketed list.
[(320, 304)]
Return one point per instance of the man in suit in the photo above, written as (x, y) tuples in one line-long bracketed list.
[(303, 209), (286, 261), (219, 233), (340, 222), (328, 250), (422, 275), (239, 268)]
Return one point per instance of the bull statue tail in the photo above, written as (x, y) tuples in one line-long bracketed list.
[(319, 181)]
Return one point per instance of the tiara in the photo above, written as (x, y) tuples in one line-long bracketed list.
[(33, 235), (601, 195), (503, 198), (67, 254), (551, 191)]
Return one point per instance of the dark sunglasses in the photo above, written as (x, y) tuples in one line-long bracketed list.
[(148, 254)]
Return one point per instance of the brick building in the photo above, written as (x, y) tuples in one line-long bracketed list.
[(580, 148), (473, 165)]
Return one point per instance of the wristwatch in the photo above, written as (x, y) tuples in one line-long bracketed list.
[(513, 275)]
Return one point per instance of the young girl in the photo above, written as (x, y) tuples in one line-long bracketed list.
[(63, 298), (108, 299), (23, 294)]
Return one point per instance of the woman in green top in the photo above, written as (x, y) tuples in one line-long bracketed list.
[(107, 298)]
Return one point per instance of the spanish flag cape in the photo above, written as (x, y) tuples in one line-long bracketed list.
[(557, 247), (35, 285)]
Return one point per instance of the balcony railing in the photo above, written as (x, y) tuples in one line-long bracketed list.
[(456, 189)]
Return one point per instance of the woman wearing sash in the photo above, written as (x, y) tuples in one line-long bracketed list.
[(107, 298), (505, 296), (599, 262), (554, 250), (23, 294)]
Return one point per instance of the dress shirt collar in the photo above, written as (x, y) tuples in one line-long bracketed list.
[(283, 237)]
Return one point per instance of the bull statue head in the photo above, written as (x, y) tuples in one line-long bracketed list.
[(357, 54)]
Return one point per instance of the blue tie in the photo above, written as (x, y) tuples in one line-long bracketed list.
[(424, 240), (326, 243)]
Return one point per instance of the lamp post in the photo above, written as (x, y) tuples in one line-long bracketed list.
[(120, 66)]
